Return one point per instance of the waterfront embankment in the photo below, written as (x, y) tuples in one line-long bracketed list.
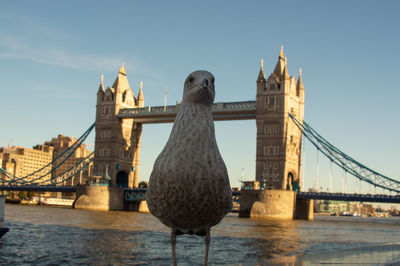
[(47, 235)]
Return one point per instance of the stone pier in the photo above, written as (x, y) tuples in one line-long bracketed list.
[(98, 197), (279, 204), (106, 198)]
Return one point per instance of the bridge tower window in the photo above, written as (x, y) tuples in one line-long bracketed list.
[(272, 100), (122, 179)]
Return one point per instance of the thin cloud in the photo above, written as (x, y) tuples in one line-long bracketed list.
[(57, 93), (64, 96), (27, 25), (17, 48)]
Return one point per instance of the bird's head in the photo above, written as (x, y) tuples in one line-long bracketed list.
[(199, 88)]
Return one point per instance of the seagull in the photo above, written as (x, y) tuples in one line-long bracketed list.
[(189, 188)]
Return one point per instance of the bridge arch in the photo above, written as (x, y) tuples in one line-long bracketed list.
[(143, 184), (122, 179), (292, 181)]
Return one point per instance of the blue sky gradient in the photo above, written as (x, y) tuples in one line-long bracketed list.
[(52, 54)]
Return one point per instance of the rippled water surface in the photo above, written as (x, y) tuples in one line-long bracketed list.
[(52, 236)]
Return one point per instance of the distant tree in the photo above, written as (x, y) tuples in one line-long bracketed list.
[(31, 194), (22, 195)]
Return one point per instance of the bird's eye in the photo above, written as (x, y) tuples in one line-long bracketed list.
[(189, 80), (212, 80)]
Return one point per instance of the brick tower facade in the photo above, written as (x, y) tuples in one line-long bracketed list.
[(278, 158), (117, 144)]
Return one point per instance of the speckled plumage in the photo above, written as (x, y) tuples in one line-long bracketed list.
[(189, 188)]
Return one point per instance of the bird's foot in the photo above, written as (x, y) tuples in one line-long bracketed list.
[(208, 241), (173, 244)]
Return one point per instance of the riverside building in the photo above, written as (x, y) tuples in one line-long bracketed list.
[(24, 162), (60, 145)]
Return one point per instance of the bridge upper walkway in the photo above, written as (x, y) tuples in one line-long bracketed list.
[(166, 114)]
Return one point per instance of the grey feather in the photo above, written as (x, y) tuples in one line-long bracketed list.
[(189, 187)]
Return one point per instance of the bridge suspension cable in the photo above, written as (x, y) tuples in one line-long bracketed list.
[(70, 172), (344, 161), (54, 163), (66, 175)]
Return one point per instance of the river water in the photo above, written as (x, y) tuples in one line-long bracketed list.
[(41, 235)]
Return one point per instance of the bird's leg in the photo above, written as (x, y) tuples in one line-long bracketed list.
[(173, 243), (207, 240)]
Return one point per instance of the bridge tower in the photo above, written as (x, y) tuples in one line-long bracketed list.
[(278, 159), (117, 143)]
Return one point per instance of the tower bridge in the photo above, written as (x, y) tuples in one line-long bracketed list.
[(278, 112), (120, 117)]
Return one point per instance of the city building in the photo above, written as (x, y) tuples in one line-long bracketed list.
[(37, 164), (26, 163), (343, 208), (60, 145)]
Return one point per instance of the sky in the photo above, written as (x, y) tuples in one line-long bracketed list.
[(52, 54)]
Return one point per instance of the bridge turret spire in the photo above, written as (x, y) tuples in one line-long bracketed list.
[(261, 75), (280, 65), (121, 83), (101, 87), (300, 86), (140, 98), (122, 69), (285, 73)]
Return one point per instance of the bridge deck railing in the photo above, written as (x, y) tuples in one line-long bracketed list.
[(173, 109)]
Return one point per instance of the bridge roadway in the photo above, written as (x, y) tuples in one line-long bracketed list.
[(139, 194), (167, 114), (349, 197), (44, 188)]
